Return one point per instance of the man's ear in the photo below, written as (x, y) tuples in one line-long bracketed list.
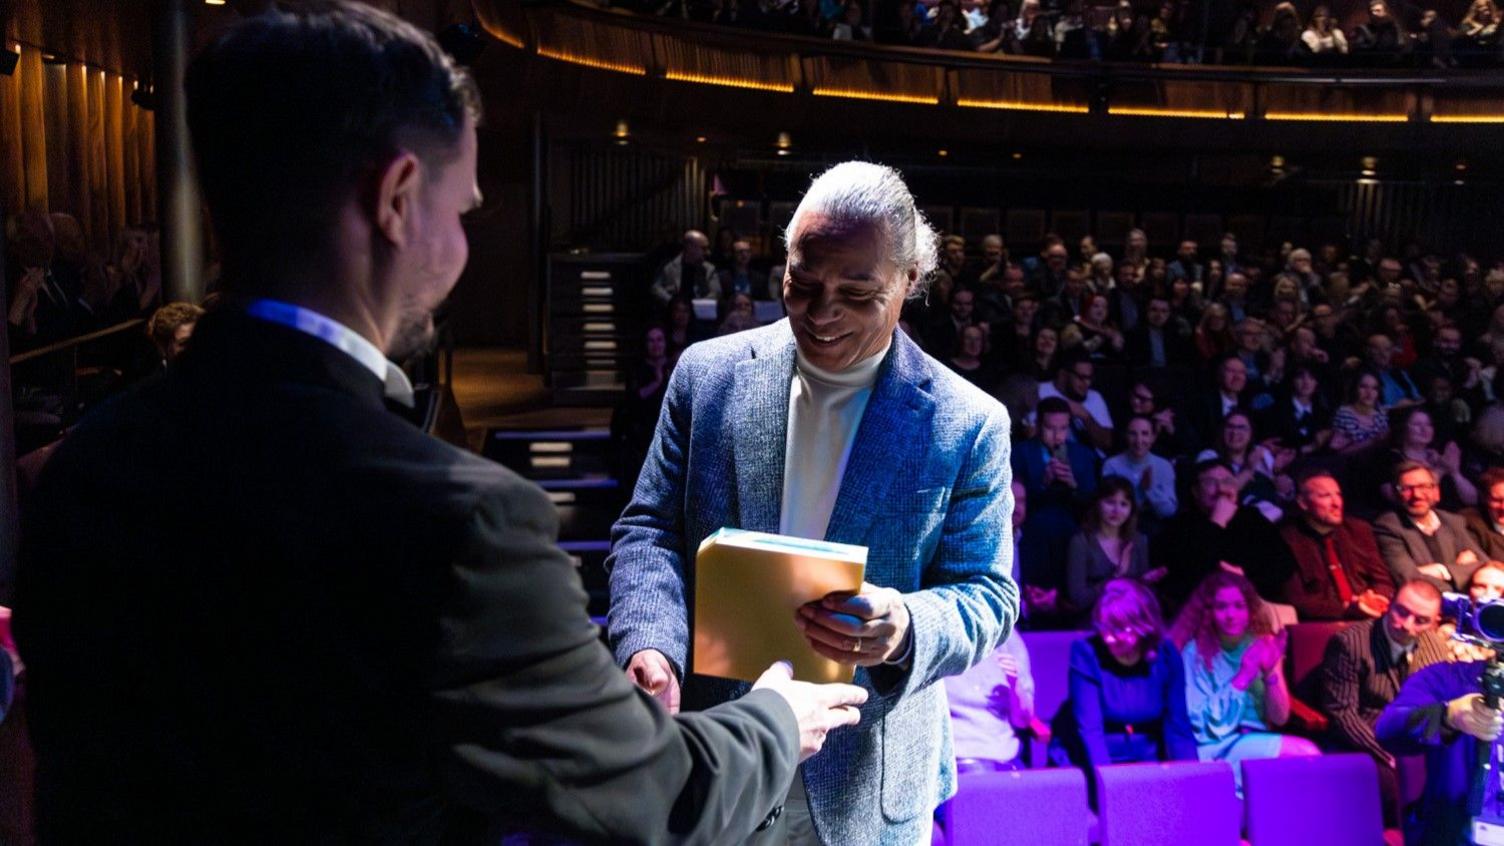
[(397, 186)]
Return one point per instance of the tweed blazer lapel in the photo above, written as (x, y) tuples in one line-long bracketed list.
[(760, 415), (891, 430)]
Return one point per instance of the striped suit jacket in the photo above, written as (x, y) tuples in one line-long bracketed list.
[(1360, 678), (926, 489)]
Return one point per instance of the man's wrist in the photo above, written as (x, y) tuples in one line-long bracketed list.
[(904, 655)]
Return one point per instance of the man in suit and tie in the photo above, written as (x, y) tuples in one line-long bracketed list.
[(1364, 667), (257, 606), (1208, 409), (1419, 540), (832, 424)]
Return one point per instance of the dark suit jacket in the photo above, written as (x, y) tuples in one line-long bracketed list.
[(1404, 548), (1311, 589), (1137, 351), (255, 606), (1359, 678), (1483, 533)]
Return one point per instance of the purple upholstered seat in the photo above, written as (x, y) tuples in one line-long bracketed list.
[(1034, 807), (1168, 803), (1332, 800), (1049, 661)]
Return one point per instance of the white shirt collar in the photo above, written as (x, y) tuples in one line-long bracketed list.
[(395, 384), (1430, 524)]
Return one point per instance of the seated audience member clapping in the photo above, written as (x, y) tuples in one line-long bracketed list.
[(1419, 540), (1339, 574), (989, 704), (1235, 682), (1414, 439), (1152, 477), (1109, 546), (1171, 435), (1127, 688)]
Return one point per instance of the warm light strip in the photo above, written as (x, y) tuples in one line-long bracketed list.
[(507, 38), (1467, 118), (592, 63), (729, 81), (875, 95), (1147, 111), (1332, 118), (1018, 106)]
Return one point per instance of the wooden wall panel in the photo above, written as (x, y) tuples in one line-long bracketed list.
[(12, 163), (34, 132), (72, 142)]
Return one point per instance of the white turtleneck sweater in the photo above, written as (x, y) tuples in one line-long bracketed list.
[(825, 410)]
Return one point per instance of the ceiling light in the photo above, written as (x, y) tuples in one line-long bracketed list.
[(699, 139), (943, 153), (1017, 156), (1276, 162), (622, 131), (784, 141)]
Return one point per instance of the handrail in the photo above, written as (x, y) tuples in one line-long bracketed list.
[(76, 341)]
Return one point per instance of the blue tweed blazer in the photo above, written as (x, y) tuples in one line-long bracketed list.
[(926, 489)]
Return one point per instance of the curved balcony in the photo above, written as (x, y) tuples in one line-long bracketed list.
[(626, 60)]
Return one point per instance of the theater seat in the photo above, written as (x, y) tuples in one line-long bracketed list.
[(1033, 807), (1163, 803), (1303, 668), (1332, 800)]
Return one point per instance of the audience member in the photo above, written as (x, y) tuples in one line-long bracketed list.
[(1060, 477), (688, 274), (1091, 422), (170, 328), (1363, 422), (1127, 688), (1109, 546), (1364, 667), (740, 278), (1486, 524), (969, 360), (989, 705), (1338, 572), (1420, 541), (1218, 534), (1440, 713), (1151, 478), (1236, 694)]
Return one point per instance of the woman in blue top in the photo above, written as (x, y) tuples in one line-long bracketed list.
[(1234, 670), (1127, 688)]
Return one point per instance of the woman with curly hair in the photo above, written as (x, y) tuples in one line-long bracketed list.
[(1234, 668)]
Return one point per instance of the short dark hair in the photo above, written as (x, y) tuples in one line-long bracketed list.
[(1051, 405), (1410, 465), (1204, 467), (288, 109), (1422, 587), (1313, 472)]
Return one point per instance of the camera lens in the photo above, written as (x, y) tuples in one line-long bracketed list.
[(1490, 620)]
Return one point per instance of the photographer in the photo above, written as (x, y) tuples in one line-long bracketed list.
[(1441, 713)]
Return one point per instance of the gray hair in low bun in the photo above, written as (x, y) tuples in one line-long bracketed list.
[(867, 192)]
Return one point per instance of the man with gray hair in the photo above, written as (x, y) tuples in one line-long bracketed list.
[(831, 424)]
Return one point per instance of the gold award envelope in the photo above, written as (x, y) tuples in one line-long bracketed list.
[(747, 588)]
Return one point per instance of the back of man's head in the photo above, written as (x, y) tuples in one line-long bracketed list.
[(291, 112)]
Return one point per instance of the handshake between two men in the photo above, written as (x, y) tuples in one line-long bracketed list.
[(865, 629)]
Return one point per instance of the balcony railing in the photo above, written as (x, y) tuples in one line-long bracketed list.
[(778, 65)]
